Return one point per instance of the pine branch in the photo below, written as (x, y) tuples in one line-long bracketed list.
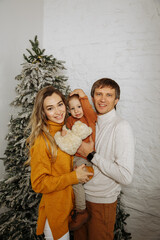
[(120, 232)]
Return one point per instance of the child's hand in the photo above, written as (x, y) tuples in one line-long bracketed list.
[(63, 132), (80, 92)]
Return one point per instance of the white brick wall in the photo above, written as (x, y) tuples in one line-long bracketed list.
[(121, 40)]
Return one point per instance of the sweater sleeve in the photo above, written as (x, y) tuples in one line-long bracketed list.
[(88, 111), (122, 167), (42, 178), (69, 122)]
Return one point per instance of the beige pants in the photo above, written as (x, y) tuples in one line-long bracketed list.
[(79, 192)]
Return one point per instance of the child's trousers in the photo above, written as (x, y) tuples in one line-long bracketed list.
[(79, 192)]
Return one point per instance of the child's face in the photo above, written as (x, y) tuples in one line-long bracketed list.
[(75, 108)]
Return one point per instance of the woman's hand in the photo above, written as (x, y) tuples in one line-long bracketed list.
[(83, 174)]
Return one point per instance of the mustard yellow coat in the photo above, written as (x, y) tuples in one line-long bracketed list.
[(54, 181)]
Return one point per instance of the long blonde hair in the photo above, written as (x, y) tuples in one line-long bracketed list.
[(38, 121)]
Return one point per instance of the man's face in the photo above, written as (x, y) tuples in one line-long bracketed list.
[(104, 99)]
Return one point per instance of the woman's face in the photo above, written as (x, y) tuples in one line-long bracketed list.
[(54, 108)]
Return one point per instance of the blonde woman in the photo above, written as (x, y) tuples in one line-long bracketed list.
[(51, 169)]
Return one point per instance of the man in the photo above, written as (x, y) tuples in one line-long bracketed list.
[(113, 161)]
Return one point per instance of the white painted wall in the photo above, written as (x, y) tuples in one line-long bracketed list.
[(121, 40), (20, 20)]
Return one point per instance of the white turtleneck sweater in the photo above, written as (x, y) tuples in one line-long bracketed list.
[(113, 162)]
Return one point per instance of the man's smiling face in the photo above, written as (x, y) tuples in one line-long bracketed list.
[(104, 99)]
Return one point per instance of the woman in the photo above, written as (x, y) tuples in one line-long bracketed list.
[(51, 169)]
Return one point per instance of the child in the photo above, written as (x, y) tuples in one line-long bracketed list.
[(80, 110)]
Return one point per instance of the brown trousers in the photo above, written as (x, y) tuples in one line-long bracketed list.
[(101, 224)]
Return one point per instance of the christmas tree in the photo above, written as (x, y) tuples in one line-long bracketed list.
[(16, 195), (120, 232)]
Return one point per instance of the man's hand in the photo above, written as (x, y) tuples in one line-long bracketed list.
[(86, 148), (79, 92)]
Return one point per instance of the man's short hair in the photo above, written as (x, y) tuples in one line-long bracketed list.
[(106, 82)]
